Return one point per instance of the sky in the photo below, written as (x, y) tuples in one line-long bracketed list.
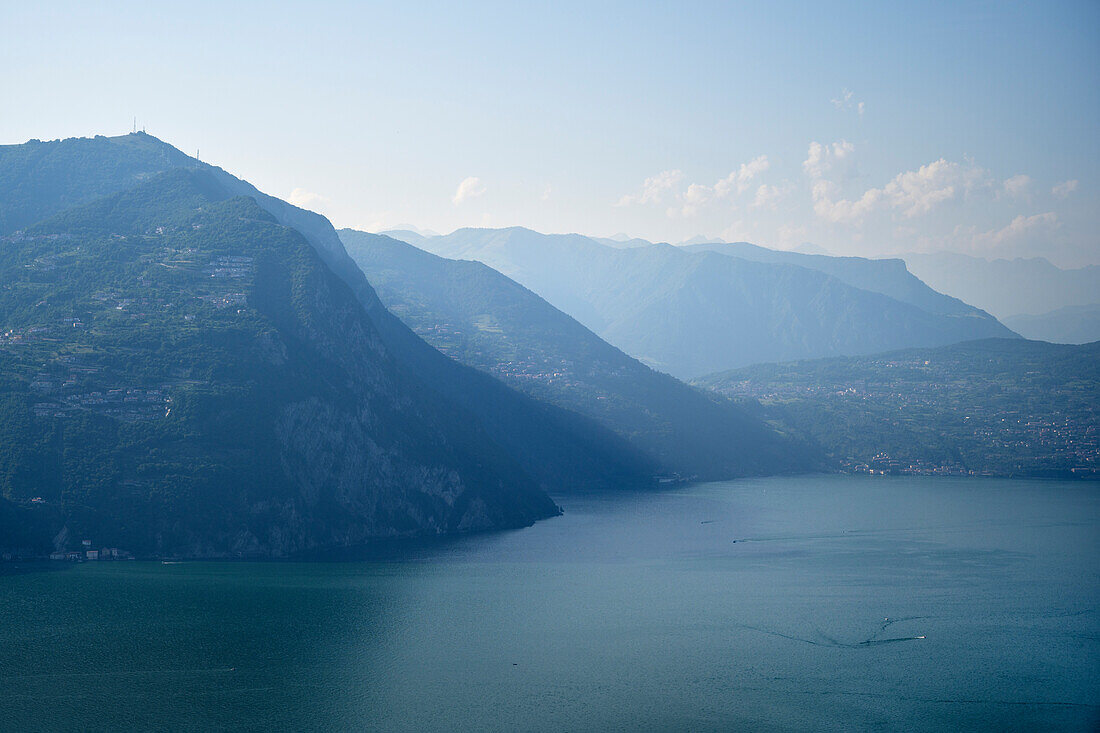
[(862, 128)]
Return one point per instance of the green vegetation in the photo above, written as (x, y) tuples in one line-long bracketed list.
[(561, 450), (482, 318), (39, 179), (999, 407), (180, 374)]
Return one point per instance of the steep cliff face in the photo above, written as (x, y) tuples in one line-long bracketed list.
[(558, 448), (190, 378)]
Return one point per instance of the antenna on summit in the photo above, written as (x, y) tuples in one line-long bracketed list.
[(135, 124)]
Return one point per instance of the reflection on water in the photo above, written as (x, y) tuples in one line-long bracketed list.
[(777, 604)]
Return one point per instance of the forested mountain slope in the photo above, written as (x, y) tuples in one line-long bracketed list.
[(691, 313), (482, 318)]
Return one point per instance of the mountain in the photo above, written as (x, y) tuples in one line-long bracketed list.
[(885, 276), (486, 320), (1002, 407), (184, 376), (191, 367), (39, 179), (1078, 324), (560, 449), (1008, 288), (407, 235), (695, 312)]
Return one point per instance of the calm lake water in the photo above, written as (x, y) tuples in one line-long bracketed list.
[(810, 603)]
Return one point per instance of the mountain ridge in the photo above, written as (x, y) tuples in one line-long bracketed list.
[(237, 401), (558, 447), (694, 312), (486, 320)]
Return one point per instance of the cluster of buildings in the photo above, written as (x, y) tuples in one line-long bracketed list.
[(232, 266), (13, 337), (882, 464), (979, 419), (222, 301), (87, 553), (122, 403)]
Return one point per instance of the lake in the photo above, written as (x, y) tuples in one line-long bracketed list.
[(807, 603)]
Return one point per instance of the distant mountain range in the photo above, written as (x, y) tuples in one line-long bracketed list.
[(486, 320), (888, 277), (696, 310), (190, 367), (1008, 288), (997, 407), (1074, 324)]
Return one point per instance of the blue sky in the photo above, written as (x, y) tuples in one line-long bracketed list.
[(865, 128)]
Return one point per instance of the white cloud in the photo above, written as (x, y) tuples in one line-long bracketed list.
[(470, 188), (306, 199), (546, 192), (1019, 230), (740, 179), (822, 159), (1017, 185), (654, 188), (698, 195), (842, 210), (1020, 236), (918, 192), (847, 100), (691, 200), (911, 193), (1065, 188), (768, 196)]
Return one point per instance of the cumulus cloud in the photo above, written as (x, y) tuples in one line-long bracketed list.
[(768, 196), (918, 192), (740, 179), (469, 188), (654, 188), (1020, 228), (1064, 189), (910, 193), (694, 198), (689, 201), (1019, 236), (1017, 185), (823, 159), (829, 207), (306, 199), (698, 195)]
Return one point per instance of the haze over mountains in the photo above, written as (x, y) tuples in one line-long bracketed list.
[(482, 318), (1074, 324), (190, 367), (1061, 306), (888, 277), (996, 407), (692, 311), (194, 368), (1031, 287)]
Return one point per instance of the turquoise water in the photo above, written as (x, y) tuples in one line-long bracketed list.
[(823, 603)]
